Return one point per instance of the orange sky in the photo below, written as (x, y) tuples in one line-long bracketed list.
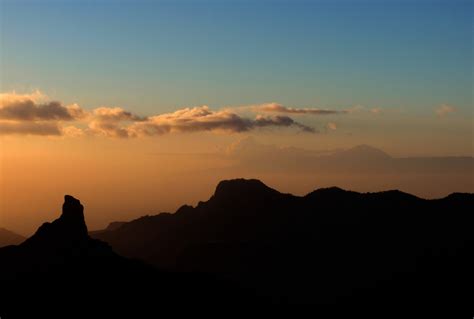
[(122, 179), (149, 104)]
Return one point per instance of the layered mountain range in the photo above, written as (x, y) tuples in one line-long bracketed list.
[(8, 237), (330, 246), (61, 267), (252, 245)]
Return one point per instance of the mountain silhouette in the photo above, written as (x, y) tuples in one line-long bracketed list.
[(9, 238), (64, 242), (363, 166), (388, 249), (362, 152), (250, 245), (62, 263), (110, 227)]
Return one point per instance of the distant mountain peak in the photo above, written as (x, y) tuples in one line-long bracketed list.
[(364, 147), (332, 189), (242, 187), (115, 225), (330, 192), (364, 151), (8, 237)]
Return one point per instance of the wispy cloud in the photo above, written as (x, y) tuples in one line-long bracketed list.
[(376, 110), (364, 109), (444, 109), (278, 108)]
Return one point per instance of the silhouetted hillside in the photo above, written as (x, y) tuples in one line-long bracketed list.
[(111, 226), (61, 267), (249, 245), (9, 238), (388, 249)]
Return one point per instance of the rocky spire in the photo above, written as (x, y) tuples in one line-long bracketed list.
[(72, 216), (69, 229)]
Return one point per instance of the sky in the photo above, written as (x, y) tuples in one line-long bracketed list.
[(139, 98)]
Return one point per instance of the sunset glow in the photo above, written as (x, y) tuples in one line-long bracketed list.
[(154, 102)]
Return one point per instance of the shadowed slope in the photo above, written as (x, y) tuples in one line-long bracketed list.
[(60, 263), (64, 242), (330, 246), (9, 238)]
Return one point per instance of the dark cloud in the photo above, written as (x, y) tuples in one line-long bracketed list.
[(281, 120), (28, 110), (203, 119), (27, 114), (115, 114), (29, 128)]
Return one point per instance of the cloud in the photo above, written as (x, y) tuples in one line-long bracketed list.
[(444, 109), (112, 122), (77, 112), (72, 131), (331, 126), (376, 110), (36, 96), (201, 118), (363, 109), (29, 128), (356, 109), (33, 114), (262, 121), (372, 111), (26, 108), (115, 114), (278, 108)]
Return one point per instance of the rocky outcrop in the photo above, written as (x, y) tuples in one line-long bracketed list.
[(68, 230), (62, 243), (61, 271)]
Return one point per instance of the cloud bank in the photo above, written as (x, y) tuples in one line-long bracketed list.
[(29, 114), (201, 118), (26, 108)]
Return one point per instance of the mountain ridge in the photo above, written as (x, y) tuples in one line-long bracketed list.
[(324, 247), (7, 237), (249, 243), (254, 185), (62, 263)]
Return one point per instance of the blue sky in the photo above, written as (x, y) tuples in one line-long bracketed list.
[(156, 56)]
